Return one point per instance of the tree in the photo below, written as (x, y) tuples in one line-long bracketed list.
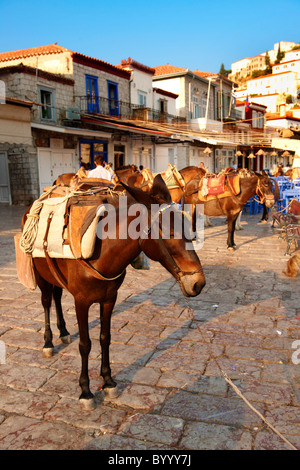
[(223, 71), (268, 68), (280, 55)]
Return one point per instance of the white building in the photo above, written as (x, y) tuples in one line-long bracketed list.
[(244, 67)]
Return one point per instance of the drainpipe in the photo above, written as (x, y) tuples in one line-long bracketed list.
[(207, 105)]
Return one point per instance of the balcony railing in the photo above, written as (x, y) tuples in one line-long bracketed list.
[(122, 109)]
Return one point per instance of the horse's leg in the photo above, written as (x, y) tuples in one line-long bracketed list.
[(110, 386), (207, 222), (231, 221), (46, 297), (86, 398), (238, 225), (265, 214), (61, 325)]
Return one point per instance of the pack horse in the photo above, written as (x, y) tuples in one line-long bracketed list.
[(97, 276)]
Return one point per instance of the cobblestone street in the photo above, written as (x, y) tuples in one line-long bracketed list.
[(166, 355)]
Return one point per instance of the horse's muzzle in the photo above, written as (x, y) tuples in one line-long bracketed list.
[(269, 201), (192, 284)]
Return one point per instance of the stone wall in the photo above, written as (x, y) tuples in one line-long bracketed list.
[(23, 172)]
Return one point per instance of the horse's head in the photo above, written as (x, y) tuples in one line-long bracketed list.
[(264, 190), (164, 239)]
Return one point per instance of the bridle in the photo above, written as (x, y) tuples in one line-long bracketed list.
[(145, 235), (260, 194)]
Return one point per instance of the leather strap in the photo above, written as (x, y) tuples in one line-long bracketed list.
[(52, 265)]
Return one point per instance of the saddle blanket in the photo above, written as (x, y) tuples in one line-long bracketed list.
[(212, 187), (171, 177), (59, 233)]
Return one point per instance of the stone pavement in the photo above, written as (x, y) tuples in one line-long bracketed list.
[(165, 356)]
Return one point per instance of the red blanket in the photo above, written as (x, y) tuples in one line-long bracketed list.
[(215, 185)]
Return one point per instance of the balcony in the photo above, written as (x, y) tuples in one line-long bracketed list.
[(122, 109)]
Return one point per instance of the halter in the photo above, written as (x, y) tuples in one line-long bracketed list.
[(178, 272), (262, 197)]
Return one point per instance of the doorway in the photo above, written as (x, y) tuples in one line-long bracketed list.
[(92, 97), (5, 195), (113, 98), (89, 149)]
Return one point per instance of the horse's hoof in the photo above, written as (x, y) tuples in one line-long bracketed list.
[(111, 392), (87, 404), (48, 352), (230, 248), (66, 339)]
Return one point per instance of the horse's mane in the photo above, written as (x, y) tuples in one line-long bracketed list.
[(127, 167)]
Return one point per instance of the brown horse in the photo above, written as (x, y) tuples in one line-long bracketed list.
[(100, 284), (188, 173), (231, 206)]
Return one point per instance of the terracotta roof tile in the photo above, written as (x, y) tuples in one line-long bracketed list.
[(167, 69), (204, 74), (33, 51), (56, 49)]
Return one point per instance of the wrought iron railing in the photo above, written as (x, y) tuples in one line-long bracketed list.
[(122, 109)]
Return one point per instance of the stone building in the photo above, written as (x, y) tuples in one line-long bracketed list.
[(61, 86)]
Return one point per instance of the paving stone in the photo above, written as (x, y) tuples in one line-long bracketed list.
[(268, 440), (202, 436), (166, 355), (141, 396), (160, 429), (114, 442), (190, 406), (104, 418), (266, 393), (22, 433), (24, 377)]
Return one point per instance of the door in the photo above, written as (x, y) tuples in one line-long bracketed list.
[(53, 163), (5, 196), (113, 99), (89, 149), (92, 96)]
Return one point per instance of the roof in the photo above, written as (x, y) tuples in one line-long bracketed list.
[(33, 51), (137, 65), (17, 101), (286, 62), (165, 93), (252, 104), (56, 49), (270, 75), (167, 69), (288, 115), (215, 75)]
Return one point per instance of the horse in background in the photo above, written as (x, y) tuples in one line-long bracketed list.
[(231, 206)]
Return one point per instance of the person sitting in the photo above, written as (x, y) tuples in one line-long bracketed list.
[(100, 171)]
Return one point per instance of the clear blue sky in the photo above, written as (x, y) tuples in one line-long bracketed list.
[(194, 34)]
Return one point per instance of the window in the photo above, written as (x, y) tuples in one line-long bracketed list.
[(163, 106), (92, 96), (257, 119), (203, 106), (48, 104), (142, 98)]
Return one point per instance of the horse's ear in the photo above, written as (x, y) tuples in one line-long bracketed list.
[(140, 196), (159, 190)]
